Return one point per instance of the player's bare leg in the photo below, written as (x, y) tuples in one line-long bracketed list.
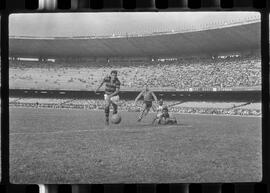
[(142, 113), (171, 121), (155, 121), (146, 111)]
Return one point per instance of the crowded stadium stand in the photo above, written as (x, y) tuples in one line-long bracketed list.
[(209, 57), (240, 72)]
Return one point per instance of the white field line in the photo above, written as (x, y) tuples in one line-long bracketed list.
[(223, 115)]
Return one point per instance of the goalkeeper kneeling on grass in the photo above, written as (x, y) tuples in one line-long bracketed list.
[(164, 118)]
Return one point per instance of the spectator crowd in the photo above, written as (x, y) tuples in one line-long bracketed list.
[(181, 74)]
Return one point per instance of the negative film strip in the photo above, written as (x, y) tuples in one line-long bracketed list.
[(53, 5), (50, 6)]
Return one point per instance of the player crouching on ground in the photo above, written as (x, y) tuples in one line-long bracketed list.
[(111, 97), (164, 118)]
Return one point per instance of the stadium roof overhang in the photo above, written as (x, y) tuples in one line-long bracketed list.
[(211, 41)]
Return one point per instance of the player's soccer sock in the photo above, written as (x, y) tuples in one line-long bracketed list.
[(107, 112), (114, 109)]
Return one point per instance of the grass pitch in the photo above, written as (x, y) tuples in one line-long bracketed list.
[(74, 146)]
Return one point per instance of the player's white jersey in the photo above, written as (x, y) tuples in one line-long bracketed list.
[(159, 110)]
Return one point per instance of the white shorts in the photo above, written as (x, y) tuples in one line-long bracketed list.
[(114, 99)]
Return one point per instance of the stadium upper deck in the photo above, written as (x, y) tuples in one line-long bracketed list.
[(226, 38)]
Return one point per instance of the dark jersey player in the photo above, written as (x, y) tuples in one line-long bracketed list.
[(148, 98), (111, 97)]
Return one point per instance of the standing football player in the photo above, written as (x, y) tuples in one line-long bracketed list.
[(111, 97), (148, 98)]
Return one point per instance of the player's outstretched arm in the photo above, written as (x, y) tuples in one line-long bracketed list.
[(137, 98), (99, 86), (154, 96)]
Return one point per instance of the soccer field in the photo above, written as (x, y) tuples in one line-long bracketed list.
[(74, 146)]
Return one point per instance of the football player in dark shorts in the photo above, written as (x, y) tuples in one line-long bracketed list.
[(148, 98), (111, 97)]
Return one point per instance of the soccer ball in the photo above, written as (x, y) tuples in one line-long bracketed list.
[(116, 119)]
